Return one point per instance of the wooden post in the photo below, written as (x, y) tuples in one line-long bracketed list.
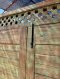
[(30, 57), (22, 55)]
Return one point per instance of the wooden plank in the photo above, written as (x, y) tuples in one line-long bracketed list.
[(22, 54), (38, 76), (8, 69), (30, 57), (51, 50), (47, 34), (9, 53), (43, 60), (49, 71), (8, 47), (47, 61), (10, 36)]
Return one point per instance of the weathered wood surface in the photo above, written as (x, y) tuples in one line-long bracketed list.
[(30, 57), (12, 53), (47, 61), (47, 34), (17, 59), (10, 35), (23, 52), (47, 52), (52, 50), (38, 76)]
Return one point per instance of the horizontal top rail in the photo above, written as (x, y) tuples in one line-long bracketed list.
[(30, 7)]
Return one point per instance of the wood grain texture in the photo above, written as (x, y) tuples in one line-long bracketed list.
[(30, 57), (13, 53), (10, 36), (47, 61), (52, 50), (47, 34), (22, 54), (9, 54), (47, 52), (38, 76)]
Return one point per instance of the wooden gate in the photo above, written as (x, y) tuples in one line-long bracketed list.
[(31, 52), (43, 52), (47, 51), (13, 52)]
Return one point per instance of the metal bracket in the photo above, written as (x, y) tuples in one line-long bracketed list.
[(32, 37)]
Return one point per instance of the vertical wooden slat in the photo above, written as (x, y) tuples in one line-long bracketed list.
[(22, 53), (30, 57)]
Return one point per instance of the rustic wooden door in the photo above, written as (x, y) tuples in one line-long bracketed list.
[(13, 52)]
